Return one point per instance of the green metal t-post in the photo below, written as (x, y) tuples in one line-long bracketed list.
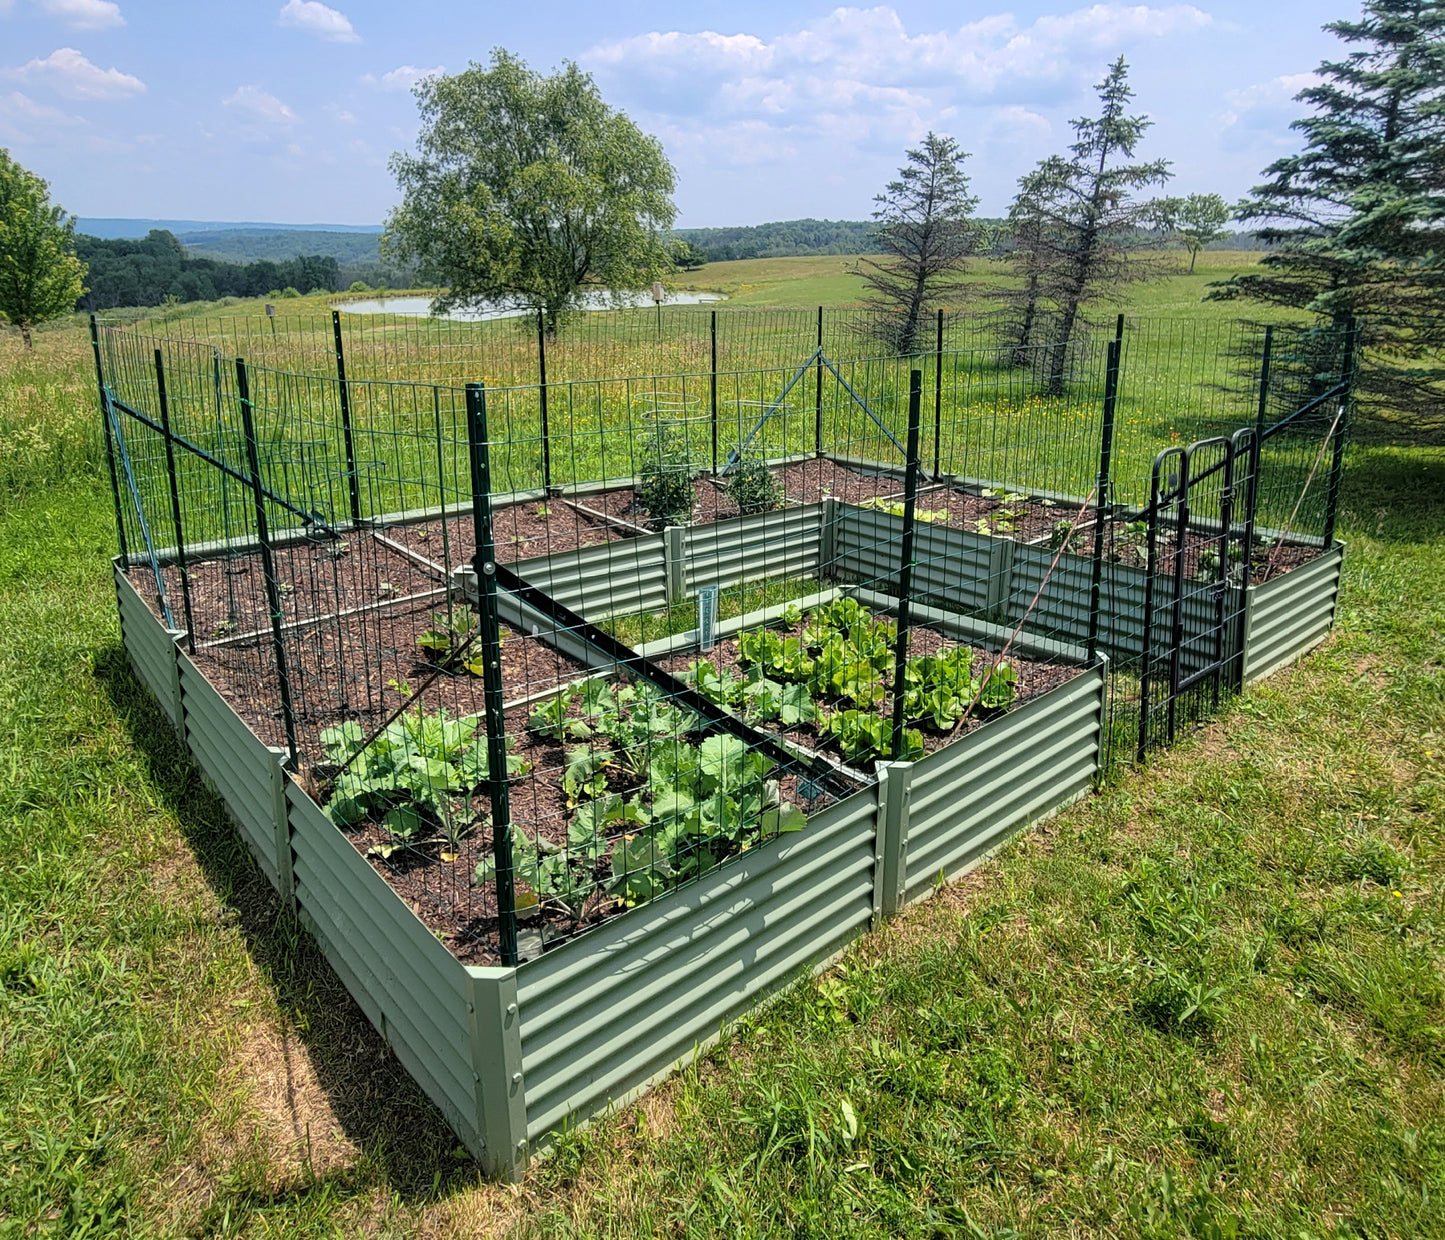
[(1101, 490), (938, 398), (712, 388), (109, 442), (818, 396), (489, 637), (905, 567), (181, 566), (542, 394), (268, 561), (353, 483), (1337, 463)]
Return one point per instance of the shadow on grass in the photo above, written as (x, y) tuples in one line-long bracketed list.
[(403, 1139), (1394, 494)]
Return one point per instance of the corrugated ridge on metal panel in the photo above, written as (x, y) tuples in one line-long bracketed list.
[(316, 838), (444, 1051), (421, 983), (765, 924), (427, 1003), (937, 846), (804, 925), (365, 989), (647, 1014), (589, 1091), (1058, 713), (151, 648), (996, 786), (1291, 615), (551, 977)]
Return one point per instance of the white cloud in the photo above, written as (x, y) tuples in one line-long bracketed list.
[(320, 19), (17, 104), (1257, 118), (71, 75), (256, 105), (403, 77), (85, 14), (861, 58)]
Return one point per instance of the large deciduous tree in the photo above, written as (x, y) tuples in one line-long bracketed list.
[(40, 277), (1083, 218), (528, 189), (1356, 221), (926, 234)]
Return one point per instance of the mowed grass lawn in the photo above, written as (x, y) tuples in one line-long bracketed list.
[(1206, 1002)]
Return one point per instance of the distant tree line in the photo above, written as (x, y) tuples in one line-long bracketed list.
[(783, 239), (128, 272)]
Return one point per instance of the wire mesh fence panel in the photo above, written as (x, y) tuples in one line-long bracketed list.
[(548, 650)]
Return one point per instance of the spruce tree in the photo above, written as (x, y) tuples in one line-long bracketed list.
[(1084, 221), (1356, 221), (926, 234)]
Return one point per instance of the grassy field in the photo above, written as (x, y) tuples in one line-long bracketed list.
[(1207, 1002), (828, 280)]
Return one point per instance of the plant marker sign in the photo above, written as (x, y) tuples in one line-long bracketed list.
[(707, 617)]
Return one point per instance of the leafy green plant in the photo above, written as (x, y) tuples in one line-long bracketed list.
[(664, 486), (862, 734), (550, 720), (445, 643), (767, 701), (1131, 545), (416, 778), (895, 508), (752, 487)]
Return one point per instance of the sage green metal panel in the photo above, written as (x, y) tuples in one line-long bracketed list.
[(967, 798), (496, 1028), (1291, 614), (624, 1004), (895, 792), (953, 568), (236, 761), (406, 981), (770, 545), (151, 647), (628, 575)]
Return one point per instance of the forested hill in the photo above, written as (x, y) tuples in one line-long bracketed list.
[(125, 271), (247, 245), (783, 239)]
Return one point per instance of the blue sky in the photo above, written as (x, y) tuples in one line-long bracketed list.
[(287, 110)]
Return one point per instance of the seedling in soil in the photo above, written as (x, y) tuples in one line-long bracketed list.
[(896, 509), (445, 643)]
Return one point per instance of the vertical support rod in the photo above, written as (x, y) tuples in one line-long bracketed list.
[(1251, 504), (818, 393), (268, 562), (712, 397), (938, 398), (1176, 630), (1337, 463), (181, 566), (485, 566), (353, 483), (1101, 492), (542, 394), (1151, 568), (109, 443), (1221, 582), (905, 567)]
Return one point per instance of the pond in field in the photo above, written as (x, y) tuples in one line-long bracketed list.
[(420, 307)]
